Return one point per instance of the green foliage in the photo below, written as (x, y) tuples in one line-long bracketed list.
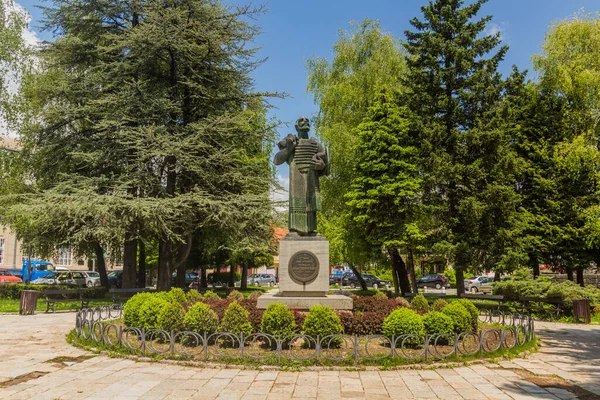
[(235, 295), (473, 312), (404, 322), (321, 321), (279, 321), (569, 291), (380, 296), (200, 318), (132, 309), (460, 317), (194, 296), (420, 304), (451, 275), (171, 317), (209, 294), (150, 310), (439, 305), (513, 289), (177, 295), (438, 323), (236, 320)]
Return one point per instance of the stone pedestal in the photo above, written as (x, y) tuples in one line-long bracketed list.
[(304, 275)]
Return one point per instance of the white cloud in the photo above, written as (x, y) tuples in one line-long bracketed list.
[(493, 28)]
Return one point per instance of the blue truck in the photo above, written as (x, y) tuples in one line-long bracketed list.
[(33, 269)]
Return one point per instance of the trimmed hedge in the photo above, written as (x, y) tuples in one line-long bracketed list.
[(404, 322), (278, 320), (438, 323), (171, 316), (460, 317), (321, 321), (236, 320), (439, 305), (200, 318), (420, 304), (13, 290)]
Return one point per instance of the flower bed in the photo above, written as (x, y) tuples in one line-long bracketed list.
[(228, 330)]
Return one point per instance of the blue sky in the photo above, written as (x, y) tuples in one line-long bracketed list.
[(294, 31)]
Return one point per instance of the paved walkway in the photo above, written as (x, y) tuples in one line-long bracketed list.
[(27, 343)]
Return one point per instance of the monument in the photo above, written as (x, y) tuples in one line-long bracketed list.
[(303, 253)]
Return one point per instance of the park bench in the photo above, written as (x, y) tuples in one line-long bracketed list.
[(425, 294), (51, 301), (127, 293), (496, 297), (538, 304)]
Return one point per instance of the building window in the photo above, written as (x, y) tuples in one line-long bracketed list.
[(65, 256), (1, 251)]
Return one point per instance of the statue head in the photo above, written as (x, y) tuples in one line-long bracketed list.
[(302, 127)]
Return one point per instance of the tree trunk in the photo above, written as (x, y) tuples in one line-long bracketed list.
[(399, 267), (142, 264), (361, 281), (535, 266), (180, 279), (580, 276), (244, 283), (569, 273), (203, 282), (101, 265), (411, 271), (231, 275), (164, 266), (460, 280), (496, 276), (130, 258)]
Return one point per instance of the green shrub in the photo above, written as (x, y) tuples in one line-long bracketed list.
[(235, 295), (200, 318), (403, 321), (473, 312), (255, 295), (236, 320), (460, 317), (278, 320), (193, 296), (569, 291), (131, 310), (209, 294), (222, 277), (512, 289), (171, 317), (439, 305), (438, 323), (420, 304), (380, 296), (150, 310), (322, 321), (177, 295)]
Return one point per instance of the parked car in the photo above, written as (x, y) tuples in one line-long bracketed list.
[(61, 278), (7, 277), (434, 281), (372, 281), (335, 279), (189, 278), (481, 284), (115, 279), (264, 280), (92, 278), (346, 278)]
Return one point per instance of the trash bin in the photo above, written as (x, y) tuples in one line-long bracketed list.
[(28, 302), (581, 310)]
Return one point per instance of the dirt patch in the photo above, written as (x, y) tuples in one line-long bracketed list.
[(65, 361), (22, 378), (555, 382)]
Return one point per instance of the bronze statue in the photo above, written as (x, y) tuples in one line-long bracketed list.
[(308, 161)]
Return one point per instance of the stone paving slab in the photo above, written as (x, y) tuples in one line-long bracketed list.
[(28, 342)]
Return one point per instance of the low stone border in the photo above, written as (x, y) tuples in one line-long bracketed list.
[(94, 324)]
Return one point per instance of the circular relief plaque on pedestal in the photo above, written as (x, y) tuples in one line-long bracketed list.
[(303, 267)]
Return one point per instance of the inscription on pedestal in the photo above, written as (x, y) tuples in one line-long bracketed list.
[(303, 267)]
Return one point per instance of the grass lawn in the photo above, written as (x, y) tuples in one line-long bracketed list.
[(12, 305)]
